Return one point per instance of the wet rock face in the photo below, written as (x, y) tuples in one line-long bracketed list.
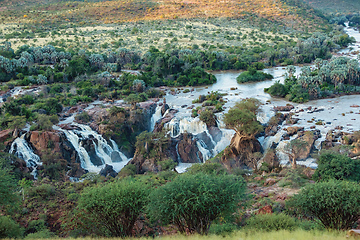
[(58, 145), (159, 125), (164, 108), (188, 150), (108, 170), (238, 152)]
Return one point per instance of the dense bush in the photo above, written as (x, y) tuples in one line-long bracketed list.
[(252, 75), (9, 228), (114, 207), (277, 90), (337, 166), (335, 203), (192, 202)]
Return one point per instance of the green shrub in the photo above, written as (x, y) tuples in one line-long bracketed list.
[(41, 234), (335, 203), (114, 207), (43, 191), (277, 90), (253, 76), (9, 228), (337, 166), (271, 222), (192, 202), (128, 170)]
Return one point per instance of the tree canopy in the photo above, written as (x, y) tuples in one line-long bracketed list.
[(242, 118)]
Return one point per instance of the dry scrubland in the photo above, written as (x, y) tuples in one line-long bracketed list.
[(56, 11), (181, 34)]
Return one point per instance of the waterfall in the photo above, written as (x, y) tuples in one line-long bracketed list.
[(155, 117), (21, 149), (110, 155), (203, 148), (227, 135), (189, 125)]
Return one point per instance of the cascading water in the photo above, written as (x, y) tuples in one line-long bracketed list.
[(107, 154), (21, 149), (155, 117), (200, 132)]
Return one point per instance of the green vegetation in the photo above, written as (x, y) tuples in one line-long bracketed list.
[(337, 166), (242, 118), (193, 202), (114, 207), (334, 203), (253, 75), (337, 76)]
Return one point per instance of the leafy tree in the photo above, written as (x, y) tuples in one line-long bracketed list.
[(114, 207), (242, 118), (335, 203), (337, 166), (193, 202)]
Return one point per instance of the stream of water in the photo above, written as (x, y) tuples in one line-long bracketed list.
[(335, 112)]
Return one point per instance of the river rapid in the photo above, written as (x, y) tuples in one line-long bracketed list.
[(334, 112)]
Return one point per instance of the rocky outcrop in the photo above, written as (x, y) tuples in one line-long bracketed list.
[(293, 130), (56, 144), (286, 108), (108, 171), (309, 137), (240, 149), (159, 125), (188, 150)]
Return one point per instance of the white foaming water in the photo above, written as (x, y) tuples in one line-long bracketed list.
[(206, 154), (155, 117), (187, 124), (102, 149), (21, 149), (227, 135), (181, 168)]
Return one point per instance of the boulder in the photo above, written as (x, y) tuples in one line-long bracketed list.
[(5, 135), (286, 108), (108, 170), (215, 133), (159, 125), (293, 130), (115, 157), (309, 137)]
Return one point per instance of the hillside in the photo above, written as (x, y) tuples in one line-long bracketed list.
[(335, 6), (55, 11)]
